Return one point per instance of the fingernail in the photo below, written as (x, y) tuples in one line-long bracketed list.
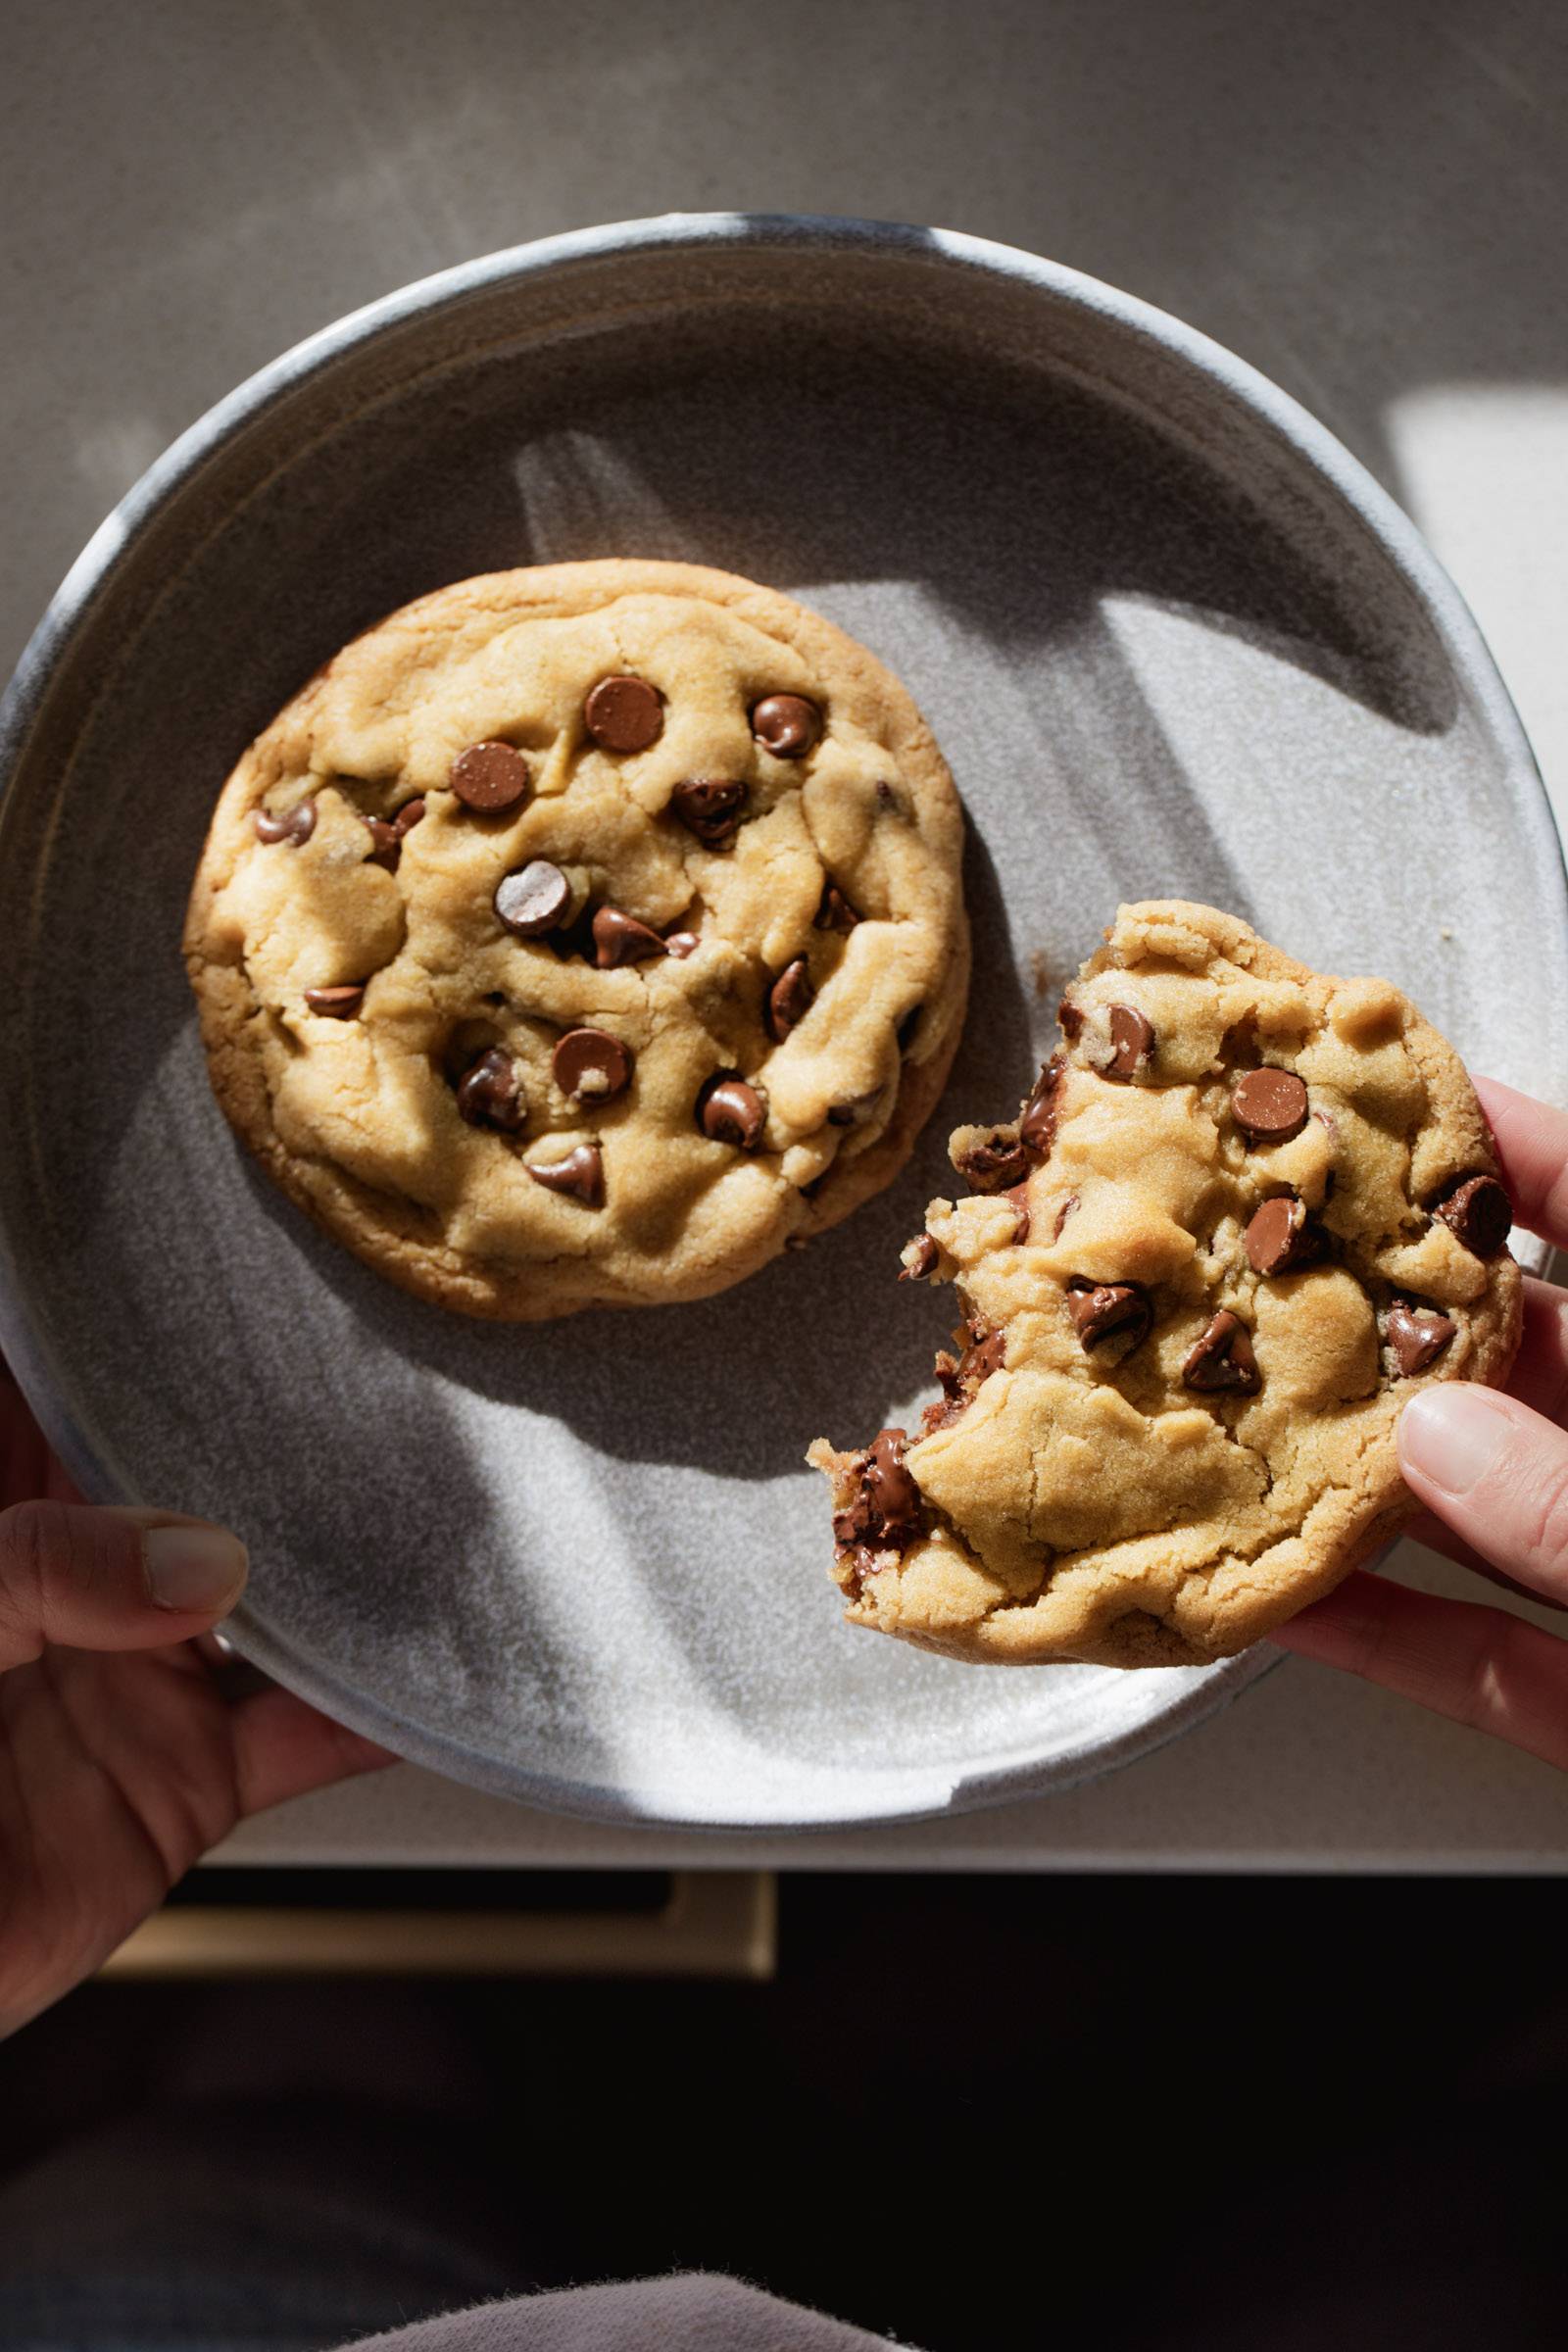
[(192, 1568), (1452, 1436)]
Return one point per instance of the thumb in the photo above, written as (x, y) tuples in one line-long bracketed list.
[(1497, 1474), (106, 1579)]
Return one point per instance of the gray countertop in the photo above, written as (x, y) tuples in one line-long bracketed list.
[(1367, 204)]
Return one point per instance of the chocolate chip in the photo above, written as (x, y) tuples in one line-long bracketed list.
[(582, 1174), (1019, 1195), (987, 1352), (621, 939), (923, 1262), (294, 825), (388, 838), (710, 807), (533, 899), (1478, 1214), (1100, 1310), (886, 1512), (790, 999), (1037, 1122), (1223, 1357), (624, 715), (952, 1402), (336, 1003), (1418, 1336), (591, 1065), (387, 845), (489, 777), (859, 1107), (891, 1488), (835, 913), (1132, 1043), (1279, 1236), (680, 944), (786, 724), (1064, 1212), (1070, 1020), (729, 1111), (1269, 1105), (998, 1159), (491, 1094)]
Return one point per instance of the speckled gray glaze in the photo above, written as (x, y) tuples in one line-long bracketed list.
[(1172, 639)]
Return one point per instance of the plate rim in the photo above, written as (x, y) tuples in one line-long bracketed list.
[(927, 1793)]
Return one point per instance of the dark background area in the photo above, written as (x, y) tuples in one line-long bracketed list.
[(1127, 2112)]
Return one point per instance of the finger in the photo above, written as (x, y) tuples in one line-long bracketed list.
[(1478, 1665), (1430, 1531), (284, 1748), (1433, 1535), (1539, 1380), (1533, 1145), (100, 1579), (1494, 1472), (1539, 1375)]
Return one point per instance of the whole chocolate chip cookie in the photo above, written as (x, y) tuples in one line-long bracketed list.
[(510, 947), (1258, 1206)]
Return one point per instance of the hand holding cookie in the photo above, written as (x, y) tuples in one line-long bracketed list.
[(122, 1756), (1493, 1471)]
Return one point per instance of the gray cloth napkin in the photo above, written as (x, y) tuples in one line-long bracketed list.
[(695, 2312)]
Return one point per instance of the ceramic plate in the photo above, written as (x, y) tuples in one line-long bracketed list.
[(1172, 640)]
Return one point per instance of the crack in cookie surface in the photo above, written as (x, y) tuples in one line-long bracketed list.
[(1261, 1206), (611, 797)]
